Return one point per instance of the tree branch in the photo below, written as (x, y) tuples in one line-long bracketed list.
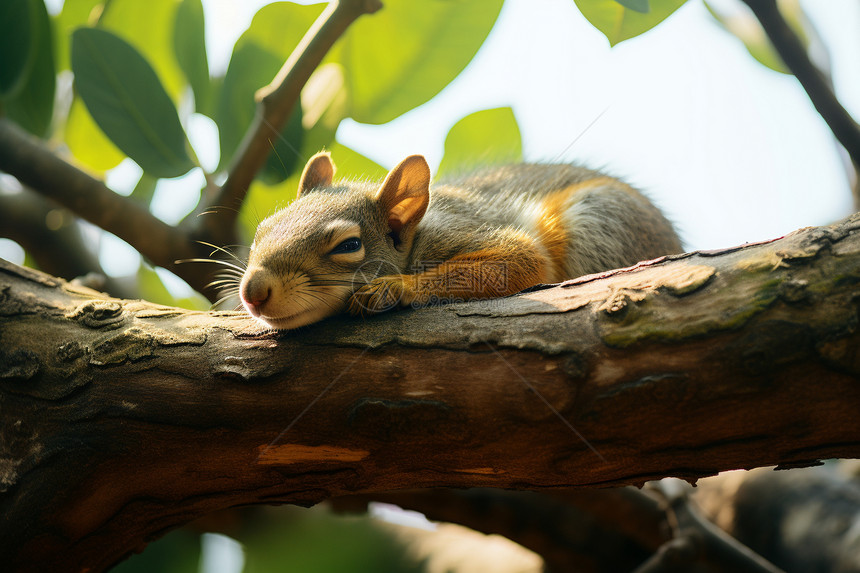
[(36, 167), (26, 158), (123, 419), (58, 251), (792, 52), (697, 540), (817, 505), (276, 102)]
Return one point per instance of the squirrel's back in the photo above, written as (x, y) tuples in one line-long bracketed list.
[(581, 221)]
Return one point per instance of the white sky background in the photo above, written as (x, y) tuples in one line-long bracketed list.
[(732, 151)]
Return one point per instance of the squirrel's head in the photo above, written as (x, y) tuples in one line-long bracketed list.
[(308, 259)]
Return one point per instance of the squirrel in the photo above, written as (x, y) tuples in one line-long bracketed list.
[(365, 248)]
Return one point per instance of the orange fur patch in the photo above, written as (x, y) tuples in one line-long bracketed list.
[(553, 234)]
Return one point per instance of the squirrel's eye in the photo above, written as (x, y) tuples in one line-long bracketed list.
[(350, 245)]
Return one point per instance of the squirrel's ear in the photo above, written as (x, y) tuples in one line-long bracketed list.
[(318, 172), (405, 194)]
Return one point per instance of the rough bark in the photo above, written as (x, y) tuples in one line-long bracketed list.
[(122, 419)]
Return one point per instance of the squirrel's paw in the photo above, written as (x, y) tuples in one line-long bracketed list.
[(379, 295)]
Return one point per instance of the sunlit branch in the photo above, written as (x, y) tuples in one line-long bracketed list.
[(35, 166), (277, 100)]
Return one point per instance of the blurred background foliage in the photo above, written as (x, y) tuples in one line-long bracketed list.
[(124, 90), (278, 539)]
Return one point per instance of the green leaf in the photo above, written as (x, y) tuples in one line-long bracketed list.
[(619, 23), (298, 539), (75, 13), (189, 43), (87, 142), (489, 136), (179, 550), (744, 26), (144, 190), (252, 67), (127, 100), (406, 53), (148, 26), (642, 6), (324, 104), (353, 165), (216, 83), (278, 27), (34, 106), (17, 42), (249, 66), (151, 287)]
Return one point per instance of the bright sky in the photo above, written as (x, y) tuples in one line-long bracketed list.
[(731, 150)]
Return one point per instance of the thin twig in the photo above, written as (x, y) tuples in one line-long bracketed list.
[(792, 52), (277, 100), (697, 540)]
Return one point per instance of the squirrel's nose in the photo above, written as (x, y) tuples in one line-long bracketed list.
[(255, 290)]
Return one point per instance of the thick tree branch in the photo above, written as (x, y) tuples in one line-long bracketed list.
[(277, 101), (792, 52), (26, 158), (123, 419)]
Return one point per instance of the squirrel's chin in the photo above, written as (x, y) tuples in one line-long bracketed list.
[(302, 318)]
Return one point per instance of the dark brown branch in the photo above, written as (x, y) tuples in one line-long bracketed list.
[(26, 158), (277, 101), (767, 503), (792, 52), (58, 251)]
